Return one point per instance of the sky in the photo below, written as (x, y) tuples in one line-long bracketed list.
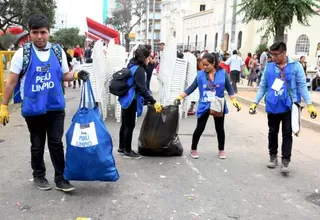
[(74, 12)]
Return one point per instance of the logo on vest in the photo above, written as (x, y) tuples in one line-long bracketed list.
[(279, 93), (42, 83)]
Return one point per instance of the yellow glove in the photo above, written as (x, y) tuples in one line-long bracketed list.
[(157, 107), (312, 111), (4, 114), (252, 109), (236, 104), (177, 101)]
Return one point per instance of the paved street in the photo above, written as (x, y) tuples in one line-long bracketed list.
[(240, 187)]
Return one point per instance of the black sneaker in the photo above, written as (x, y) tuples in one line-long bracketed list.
[(285, 166), (120, 150), (41, 183), (132, 154), (273, 163), (64, 186)]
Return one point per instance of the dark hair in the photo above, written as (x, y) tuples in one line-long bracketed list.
[(180, 55), (38, 21), (89, 60), (148, 46), (162, 43), (279, 46), (141, 54), (302, 57), (234, 52), (266, 50), (249, 55), (213, 59)]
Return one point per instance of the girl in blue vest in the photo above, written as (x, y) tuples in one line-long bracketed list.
[(132, 102), (212, 81)]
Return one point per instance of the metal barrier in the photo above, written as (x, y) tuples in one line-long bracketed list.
[(5, 57)]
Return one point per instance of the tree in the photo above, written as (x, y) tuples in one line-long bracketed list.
[(17, 12), (122, 17), (69, 37), (279, 14)]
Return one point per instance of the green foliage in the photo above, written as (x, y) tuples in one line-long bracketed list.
[(6, 41), (279, 14), (69, 37), (260, 48), (17, 12)]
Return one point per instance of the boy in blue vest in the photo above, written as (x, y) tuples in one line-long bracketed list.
[(283, 82), (43, 101)]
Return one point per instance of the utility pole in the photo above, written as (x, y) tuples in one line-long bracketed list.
[(147, 24), (223, 31), (233, 25), (154, 16)]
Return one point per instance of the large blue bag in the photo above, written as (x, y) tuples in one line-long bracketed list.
[(89, 145)]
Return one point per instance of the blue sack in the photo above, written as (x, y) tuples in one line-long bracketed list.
[(89, 145)]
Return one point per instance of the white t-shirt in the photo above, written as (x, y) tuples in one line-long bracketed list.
[(76, 65), (235, 62), (17, 63)]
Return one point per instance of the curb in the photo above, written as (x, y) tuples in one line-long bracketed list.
[(255, 89), (306, 123)]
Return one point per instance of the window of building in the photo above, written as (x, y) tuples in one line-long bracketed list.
[(302, 45), (196, 44), (216, 42), (202, 7), (188, 40), (239, 40), (205, 41)]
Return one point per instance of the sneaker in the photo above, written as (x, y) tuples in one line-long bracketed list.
[(285, 166), (222, 154), (194, 154), (120, 151), (41, 183), (132, 154), (273, 163), (64, 186)]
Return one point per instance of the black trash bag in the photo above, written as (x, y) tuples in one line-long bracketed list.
[(159, 133)]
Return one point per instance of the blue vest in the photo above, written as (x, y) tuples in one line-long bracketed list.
[(42, 86), (125, 101), (278, 101), (218, 86)]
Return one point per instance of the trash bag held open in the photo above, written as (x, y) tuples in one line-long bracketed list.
[(89, 145), (159, 133)]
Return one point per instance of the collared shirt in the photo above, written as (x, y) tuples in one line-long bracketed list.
[(235, 62), (297, 83)]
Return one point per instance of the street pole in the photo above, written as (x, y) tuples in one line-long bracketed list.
[(147, 25), (224, 22), (233, 25), (154, 16)]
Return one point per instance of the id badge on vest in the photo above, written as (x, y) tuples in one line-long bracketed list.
[(277, 84), (211, 95)]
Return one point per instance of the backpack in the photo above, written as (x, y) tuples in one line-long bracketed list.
[(26, 63), (118, 85)]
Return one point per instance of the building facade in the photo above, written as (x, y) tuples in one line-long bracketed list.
[(200, 25), (144, 30)]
